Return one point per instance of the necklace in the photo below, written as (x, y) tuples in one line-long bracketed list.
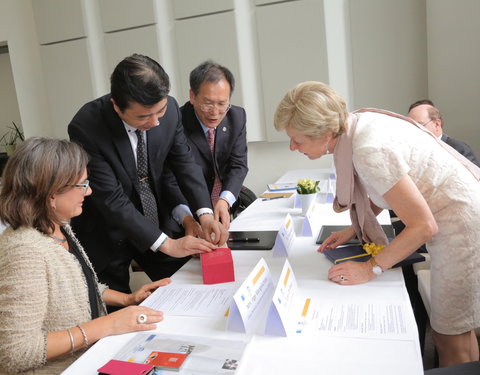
[(58, 239)]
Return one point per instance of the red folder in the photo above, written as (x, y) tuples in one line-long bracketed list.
[(114, 367), (217, 266)]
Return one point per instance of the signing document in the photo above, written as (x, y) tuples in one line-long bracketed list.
[(192, 299), (374, 314), (374, 320)]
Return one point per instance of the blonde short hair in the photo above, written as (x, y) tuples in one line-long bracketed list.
[(312, 109)]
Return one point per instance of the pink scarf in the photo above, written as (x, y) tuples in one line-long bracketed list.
[(351, 194)]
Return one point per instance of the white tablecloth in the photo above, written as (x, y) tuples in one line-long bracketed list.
[(293, 355)]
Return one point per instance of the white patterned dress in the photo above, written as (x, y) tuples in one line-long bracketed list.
[(385, 149)]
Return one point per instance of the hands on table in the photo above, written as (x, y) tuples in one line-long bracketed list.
[(350, 272)]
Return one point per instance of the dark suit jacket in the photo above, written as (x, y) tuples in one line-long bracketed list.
[(230, 153), (112, 215), (461, 147)]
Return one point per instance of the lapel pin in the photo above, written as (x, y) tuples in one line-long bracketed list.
[(224, 129)]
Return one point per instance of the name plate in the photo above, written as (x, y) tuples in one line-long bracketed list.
[(287, 309), (311, 223), (247, 302), (285, 238)]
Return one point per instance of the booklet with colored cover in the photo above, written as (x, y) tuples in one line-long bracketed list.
[(176, 354), (166, 360), (339, 255)]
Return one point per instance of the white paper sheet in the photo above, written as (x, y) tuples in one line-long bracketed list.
[(373, 320), (192, 299)]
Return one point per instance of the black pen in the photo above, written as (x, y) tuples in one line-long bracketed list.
[(269, 199), (252, 239)]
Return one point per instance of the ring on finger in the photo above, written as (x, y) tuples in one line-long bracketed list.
[(342, 278), (141, 318)]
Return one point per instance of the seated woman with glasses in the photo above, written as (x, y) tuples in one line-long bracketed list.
[(51, 303)]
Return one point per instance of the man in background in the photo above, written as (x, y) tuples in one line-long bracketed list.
[(216, 133), (130, 134), (426, 114)]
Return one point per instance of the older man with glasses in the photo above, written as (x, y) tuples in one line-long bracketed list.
[(426, 114), (216, 133)]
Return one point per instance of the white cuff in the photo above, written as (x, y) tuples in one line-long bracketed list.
[(159, 242)]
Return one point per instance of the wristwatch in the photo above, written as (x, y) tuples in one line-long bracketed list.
[(376, 269)]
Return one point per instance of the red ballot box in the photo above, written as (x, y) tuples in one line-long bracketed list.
[(217, 266)]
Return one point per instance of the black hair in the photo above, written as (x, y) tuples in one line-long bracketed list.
[(210, 71), (138, 78), (420, 102)]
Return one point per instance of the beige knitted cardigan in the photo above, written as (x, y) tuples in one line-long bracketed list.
[(42, 289)]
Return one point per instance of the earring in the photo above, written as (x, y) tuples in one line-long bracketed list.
[(326, 147)]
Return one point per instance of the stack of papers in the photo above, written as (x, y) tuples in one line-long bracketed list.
[(283, 186)]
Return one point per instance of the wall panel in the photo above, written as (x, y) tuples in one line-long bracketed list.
[(289, 54), (68, 81), (120, 44), (389, 53), (125, 14), (58, 20), (199, 39)]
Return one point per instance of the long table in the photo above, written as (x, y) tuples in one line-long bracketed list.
[(298, 354)]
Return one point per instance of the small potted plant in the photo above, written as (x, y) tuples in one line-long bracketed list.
[(11, 138), (307, 190)]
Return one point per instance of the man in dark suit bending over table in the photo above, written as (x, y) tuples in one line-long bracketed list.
[(216, 132), (130, 134)]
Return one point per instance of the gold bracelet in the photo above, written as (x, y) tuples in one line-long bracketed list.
[(85, 338), (72, 344)]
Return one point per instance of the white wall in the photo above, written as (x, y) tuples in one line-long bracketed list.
[(453, 75), (453, 29), (268, 161), (17, 28)]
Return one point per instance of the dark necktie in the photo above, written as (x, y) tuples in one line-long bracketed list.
[(147, 198), (217, 185)]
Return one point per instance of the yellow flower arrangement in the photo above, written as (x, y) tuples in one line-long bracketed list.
[(307, 186)]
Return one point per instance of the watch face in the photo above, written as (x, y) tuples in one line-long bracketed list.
[(377, 270)]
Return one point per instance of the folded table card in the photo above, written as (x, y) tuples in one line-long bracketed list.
[(287, 307), (217, 266), (285, 238), (250, 298), (311, 221)]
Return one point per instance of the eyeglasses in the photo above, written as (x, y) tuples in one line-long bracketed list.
[(85, 186), (222, 108), (428, 122)]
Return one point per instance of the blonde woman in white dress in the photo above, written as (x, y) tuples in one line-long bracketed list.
[(387, 161)]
